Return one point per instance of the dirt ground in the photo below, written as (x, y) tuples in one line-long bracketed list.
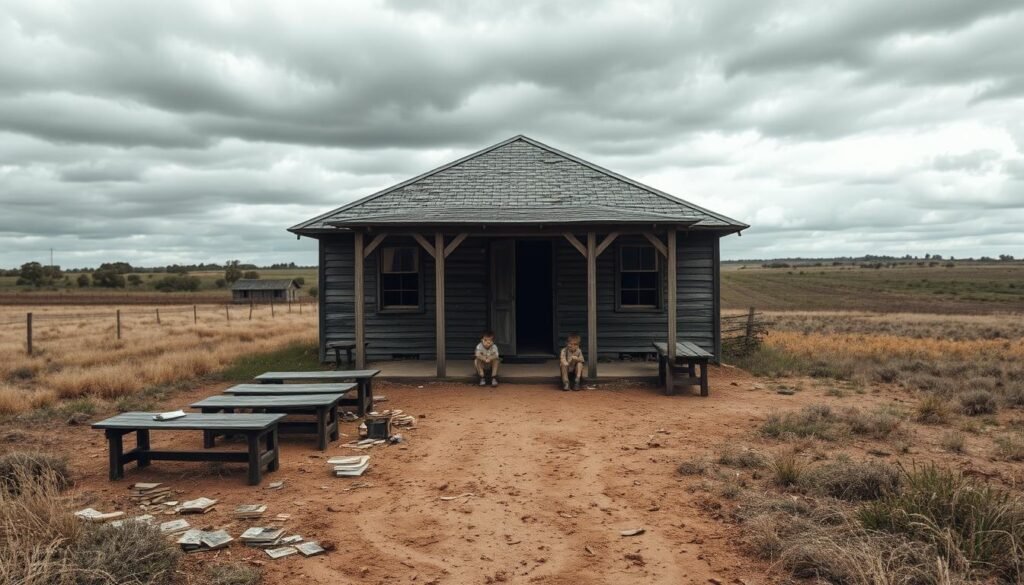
[(554, 478)]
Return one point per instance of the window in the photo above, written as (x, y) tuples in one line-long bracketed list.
[(399, 278), (639, 279)]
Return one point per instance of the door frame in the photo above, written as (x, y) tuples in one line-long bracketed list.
[(493, 294), (553, 251)]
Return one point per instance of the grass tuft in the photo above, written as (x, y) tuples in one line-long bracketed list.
[(19, 469), (932, 410), (787, 469), (978, 402), (233, 574), (852, 480)]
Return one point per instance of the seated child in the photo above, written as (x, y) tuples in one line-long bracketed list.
[(486, 356), (571, 361)]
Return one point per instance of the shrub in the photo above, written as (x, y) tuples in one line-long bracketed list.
[(698, 466), (35, 530), (233, 574), (129, 553), (970, 524), (177, 282), (810, 421), (877, 424), (743, 458), (19, 469), (787, 469), (932, 410), (1009, 447), (954, 442), (852, 480), (978, 402)]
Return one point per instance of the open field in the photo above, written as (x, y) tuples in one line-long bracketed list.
[(967, 288), (78, 359)]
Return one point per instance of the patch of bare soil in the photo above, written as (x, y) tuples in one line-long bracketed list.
[(554, 478)]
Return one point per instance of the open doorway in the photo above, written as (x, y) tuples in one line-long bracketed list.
[(534, 310)]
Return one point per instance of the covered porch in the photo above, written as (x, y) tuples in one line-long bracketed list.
[(538, 372)]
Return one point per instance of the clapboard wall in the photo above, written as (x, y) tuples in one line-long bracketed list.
[(467, 275)]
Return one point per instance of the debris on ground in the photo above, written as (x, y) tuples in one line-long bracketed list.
[(195, 540), (786, 391), (353, 466), (450, 498), (632, 532), (146, 494), (262, 536), (281, 552), (380, 398), (364, 443), (174, 527), (349, 416), (309, 549), (143, 519), (249, 511), (275, 485), (91, 515), (197, 506)]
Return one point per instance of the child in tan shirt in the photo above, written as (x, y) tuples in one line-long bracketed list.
[(571, 361), (486, 357)]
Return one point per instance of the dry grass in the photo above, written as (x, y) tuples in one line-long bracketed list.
[(82, 358)]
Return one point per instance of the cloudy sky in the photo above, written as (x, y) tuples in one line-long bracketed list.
[(178, 131)]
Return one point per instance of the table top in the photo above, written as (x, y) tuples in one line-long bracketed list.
[(343, 344), (319, 375), (283, 389), (683, 349), (191, 421), (268, 401)]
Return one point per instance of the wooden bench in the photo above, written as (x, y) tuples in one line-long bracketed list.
[(688, 355), (294, 389), (323, 407), (364, 378), (347, 346), (260, 431)]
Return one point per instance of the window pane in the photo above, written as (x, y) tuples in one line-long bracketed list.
[(647, 297), (629, 297), (647, 258), (630, 258), (648, 280), (390, 298), (410, 298), (631, 280), (394, 260)]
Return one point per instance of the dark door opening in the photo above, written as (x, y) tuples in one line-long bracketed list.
[(534, 311)]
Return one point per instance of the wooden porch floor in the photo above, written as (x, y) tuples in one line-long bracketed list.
[(462, 371)]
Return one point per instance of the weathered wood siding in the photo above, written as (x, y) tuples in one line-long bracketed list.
[(468, 280), (634, 331)]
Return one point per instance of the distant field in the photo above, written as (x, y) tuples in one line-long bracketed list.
[(208, 292), (963, 288)]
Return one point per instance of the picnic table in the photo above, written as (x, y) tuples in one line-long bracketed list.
[(260, 431), (347, 347), (688, 355), (364, 378), (324, 407)]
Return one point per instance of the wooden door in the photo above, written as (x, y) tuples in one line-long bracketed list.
[(503, 295)]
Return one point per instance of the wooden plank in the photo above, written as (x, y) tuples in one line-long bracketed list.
[(607, 242), (575, 243), (426, 245), (591, 305), (451, 247), (671, 309), (657, 244), (191, 421), (442, 356), (331, 375), (268, 401), (359, 300), (285, 389), (717, 296), (373, 244)]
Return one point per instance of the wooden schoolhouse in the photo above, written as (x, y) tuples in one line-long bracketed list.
[(528, 241), (251, 290)]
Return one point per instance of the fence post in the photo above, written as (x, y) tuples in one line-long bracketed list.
[(289, 305), (271, 307), (227, 313), (119, 323), (28, 329), (195, 315), (250, 309), (750, 327), (158, 316), (300, 307)]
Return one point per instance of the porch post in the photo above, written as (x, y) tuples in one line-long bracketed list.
[(671, 273), (441, 358), (359, 301), (592, 306)]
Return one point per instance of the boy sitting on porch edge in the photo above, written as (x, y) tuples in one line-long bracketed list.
[(486, 356), (571, 362)]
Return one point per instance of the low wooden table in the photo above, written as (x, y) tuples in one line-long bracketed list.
[(364, 378), (324, 407), (343, 346), (260, 431), (688, 355)]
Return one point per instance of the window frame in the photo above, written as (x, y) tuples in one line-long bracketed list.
[(406, 309), (659, 266)]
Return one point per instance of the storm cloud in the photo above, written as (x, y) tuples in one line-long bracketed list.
[(158, 132)]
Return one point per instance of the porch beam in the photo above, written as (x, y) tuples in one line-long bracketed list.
[(606, 242), (439, 294), (671, 306), (591, 306), (373, 245), (454, 244), (653, 239), (575, 243), (426, 245), (359, 302)]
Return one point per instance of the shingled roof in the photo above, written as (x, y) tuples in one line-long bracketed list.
[(260, 284), (518, 181)]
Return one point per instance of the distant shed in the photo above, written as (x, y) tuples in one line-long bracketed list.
[(264, 291)]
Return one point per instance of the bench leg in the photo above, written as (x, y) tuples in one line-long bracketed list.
[(255, 469), (142, 442), (348, 358), (271, 442), (321, 428), (115, 446), (335, 432), (337, 359), (366, 399), (704, 378)]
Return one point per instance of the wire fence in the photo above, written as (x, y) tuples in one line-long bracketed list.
[(742, 334), (194, 314)]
